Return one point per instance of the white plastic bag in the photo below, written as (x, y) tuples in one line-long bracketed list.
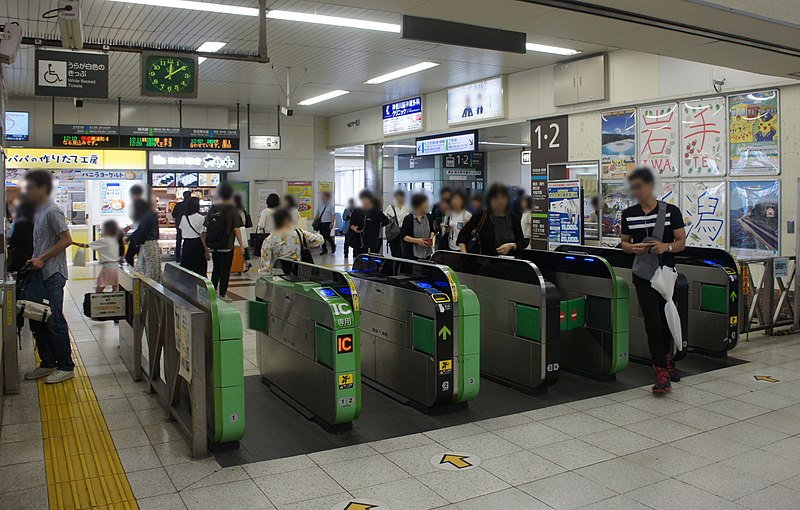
[(663, 281), (79, 260)]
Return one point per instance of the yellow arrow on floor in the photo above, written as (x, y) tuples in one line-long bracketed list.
[(359, 506), (458, 461), (766, 378)]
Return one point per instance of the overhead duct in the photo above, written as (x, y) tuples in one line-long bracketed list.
[(461, 34)]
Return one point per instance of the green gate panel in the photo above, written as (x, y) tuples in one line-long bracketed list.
[(229, 417), (424, 338), (470, 369), (621, 325), (528, 322), (324, 338), (573, 313), (713, 298), (228, 366), (469, 358), (258, 316)]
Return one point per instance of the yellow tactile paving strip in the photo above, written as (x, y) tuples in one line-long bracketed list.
[(83, 468)]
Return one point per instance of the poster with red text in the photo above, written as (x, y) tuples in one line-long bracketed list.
[(659, 138), (704, 142)]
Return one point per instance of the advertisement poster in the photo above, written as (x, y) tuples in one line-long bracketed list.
[(668, 192), (303, 193), (326, 187), (616, 199), (755, 218), (659, 138), (754, 133), (619, 143), (480, 100), (112, 200), (565, 215), (703, 208), (704, 144)]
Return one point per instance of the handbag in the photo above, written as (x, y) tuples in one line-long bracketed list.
[(32, 296), (393, 228), (646, 263), (475, 238), (317, 223), (248, 221), (79, 260), (305, 253)]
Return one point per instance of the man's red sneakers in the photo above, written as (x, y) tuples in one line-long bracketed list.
[(662, 384)]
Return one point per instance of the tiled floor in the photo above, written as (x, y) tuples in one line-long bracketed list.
[(720, 440)]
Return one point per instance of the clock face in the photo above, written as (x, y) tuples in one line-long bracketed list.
[(170, 75)]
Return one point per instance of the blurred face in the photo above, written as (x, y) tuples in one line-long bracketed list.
[(367, 203), (499, 204), (35, 193), (399, 199), (423, 208), (457, 203), (446, 196), (641, 190)]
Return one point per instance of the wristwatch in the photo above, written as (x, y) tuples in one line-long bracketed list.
[(669, 247)]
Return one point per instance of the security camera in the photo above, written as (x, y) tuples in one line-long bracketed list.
[(69, 23), (78, 102), (286, 111), (10, 39), (356, 122)]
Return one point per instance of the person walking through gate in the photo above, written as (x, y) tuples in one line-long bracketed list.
[(325, 219), (365, 225), (396, 213), (195, 254), (639, 226), (51, 238), (177, 213), (222, 229)]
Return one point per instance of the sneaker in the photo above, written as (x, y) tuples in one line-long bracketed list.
[(38, 373), (226, 299), (674, 375), (662, 384), (59, 376)]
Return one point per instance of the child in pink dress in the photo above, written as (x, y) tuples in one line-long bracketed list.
[(109, 248)]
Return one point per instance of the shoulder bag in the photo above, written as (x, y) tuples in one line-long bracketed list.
[(393, 228), (305, 253), (646, 263)]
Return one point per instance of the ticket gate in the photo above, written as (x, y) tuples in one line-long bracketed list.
[(308, 341), (594, 315), (420, 332), (710, 313), (519, 318)]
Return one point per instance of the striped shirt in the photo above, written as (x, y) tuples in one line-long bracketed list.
[(640, 226)]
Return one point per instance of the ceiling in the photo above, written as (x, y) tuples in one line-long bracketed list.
[(324, 58)]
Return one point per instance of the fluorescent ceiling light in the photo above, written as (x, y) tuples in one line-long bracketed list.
[(543, 48), (323, 97), (209, 47), (399, 146), (333, 20), (504, 144), (401, 72), (272, 14)]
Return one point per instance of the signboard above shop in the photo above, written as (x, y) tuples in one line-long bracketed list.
[(65, 159), (443, 144), (477, 101), (185, 160), (403, 116), (71, 74), (74, 135)]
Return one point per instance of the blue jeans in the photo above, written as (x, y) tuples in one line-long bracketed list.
[(54, 347)]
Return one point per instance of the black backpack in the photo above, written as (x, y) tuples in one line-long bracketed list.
[(218, 229)]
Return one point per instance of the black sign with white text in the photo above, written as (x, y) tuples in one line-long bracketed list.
[(549, 144), (71, 74)]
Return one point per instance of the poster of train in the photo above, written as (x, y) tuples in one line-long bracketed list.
[(659, 138), (668, 191), (703, 207), (754, 133), (616, 198), (754, 228), (618, 133), (704, 143)]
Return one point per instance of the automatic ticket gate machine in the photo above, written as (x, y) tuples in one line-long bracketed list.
[(709, 304), (308, 344), (519, 317), (594, 315), (420, 332)]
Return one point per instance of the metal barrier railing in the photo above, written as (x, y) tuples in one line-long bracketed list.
[(169, 349), (770, 296)]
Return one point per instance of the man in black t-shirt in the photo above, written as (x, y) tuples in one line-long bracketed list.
[(225, 211), (638, 224)]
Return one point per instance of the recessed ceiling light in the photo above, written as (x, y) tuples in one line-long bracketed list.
[(504, 144), (273, 14), (209, 47), (401, 72), (543, 48), (399, 146), (323, 97)]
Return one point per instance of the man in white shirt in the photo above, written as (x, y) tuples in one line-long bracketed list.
[(396, 213), (326, 216)]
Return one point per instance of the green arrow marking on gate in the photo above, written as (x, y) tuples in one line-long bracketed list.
[(444, 332), (733, 295)]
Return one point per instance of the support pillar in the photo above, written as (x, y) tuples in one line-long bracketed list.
[(373, 169)]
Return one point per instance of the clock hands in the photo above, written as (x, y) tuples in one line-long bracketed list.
[(176, 71)]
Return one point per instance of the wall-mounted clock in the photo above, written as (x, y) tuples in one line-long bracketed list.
[(165, 75)]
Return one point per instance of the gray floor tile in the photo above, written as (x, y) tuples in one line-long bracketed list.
[(548, 412), (567, 491), (749, 434), (616, 503), (659, 406), (777, 420), (503, 422), (521, 467), (789, 448), (20, 432), (159, 433), (114, 406), (621, 475), (590, 403), (416, 461), (221, 476), (364, 472), (467, 429), (711, 446), (21, 452), (322, 503), (455, 486), (295, 486), (673, 494), (763, 464), (506, 499), (573, 454), (735, 409), (139, 458), (766, 399), (724, 481), (701, 419), (776, 497), (628, 395), (30, 499), (532, 435), (130, 437), (404, 494), (662, 429), (15, 477), (400, 443), (240, 495), (620, 414), (694, 396), (668, 460), (122, 420), (186, 474), (150, 482), (485, 446), (620, 441), (284, 465), (173, 452), (577, 424), (342, 454)]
